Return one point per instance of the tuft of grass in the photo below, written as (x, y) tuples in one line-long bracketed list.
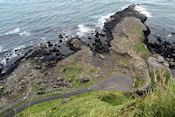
[(159, 103), (138, 83), (3, 90)]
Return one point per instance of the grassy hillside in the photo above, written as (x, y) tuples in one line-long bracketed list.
[(158, 103)]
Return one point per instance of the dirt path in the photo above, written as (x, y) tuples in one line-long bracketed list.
[(119, 82)]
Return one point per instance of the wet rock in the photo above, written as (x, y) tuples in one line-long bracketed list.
[(1, 67), (60, 36), (84, 79), (61, 41), (50, 44)]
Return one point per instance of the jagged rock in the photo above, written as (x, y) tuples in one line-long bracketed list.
[(84, 79)]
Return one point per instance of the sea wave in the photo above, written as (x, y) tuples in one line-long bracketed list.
[(143, 10), (83, 30), (18, 31), (12, 54), (104, 19)]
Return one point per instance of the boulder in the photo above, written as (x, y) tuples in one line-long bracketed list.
[(84, 79), (74, 44)]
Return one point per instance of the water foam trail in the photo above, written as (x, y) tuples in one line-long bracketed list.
[(24, 33), (143, 10), (13, 31), (83, 30), (0, 48)]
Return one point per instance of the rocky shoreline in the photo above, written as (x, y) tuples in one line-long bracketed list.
[(122, 46)]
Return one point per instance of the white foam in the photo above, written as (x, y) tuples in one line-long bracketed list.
[(104, 19), (13, 53), (0, 48), (13, 31), (24, 33), (83, 30), (143, 10), (169, 35)]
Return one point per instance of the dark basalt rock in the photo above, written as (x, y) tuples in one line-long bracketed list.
[(117, 17), (1, 67), (60, 36), (164, 48)]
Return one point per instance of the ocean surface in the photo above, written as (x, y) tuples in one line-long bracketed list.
[(26, 23)]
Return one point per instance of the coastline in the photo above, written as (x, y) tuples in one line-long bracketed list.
[(46, 57)]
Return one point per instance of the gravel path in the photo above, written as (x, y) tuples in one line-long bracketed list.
[(119, 82)]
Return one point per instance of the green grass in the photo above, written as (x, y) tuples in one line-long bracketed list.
[(3, 90), (90, 104), (159, 103), (138, 83), (140, 47), (72, 70)]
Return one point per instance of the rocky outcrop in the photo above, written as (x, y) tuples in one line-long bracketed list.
[(127, 32), (119, 16)]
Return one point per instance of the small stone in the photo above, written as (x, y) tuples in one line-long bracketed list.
[(69, 85), (84, 79), (41, 58), (69, 80), (66, 100), (36, 58), (37, 67), (160, 59), (40, 92), (102, 57), (59, 79)]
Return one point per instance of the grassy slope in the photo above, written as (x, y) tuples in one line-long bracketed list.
[(102, 103), (160, 102)]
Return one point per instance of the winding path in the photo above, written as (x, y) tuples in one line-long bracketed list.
[(119, 82)]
